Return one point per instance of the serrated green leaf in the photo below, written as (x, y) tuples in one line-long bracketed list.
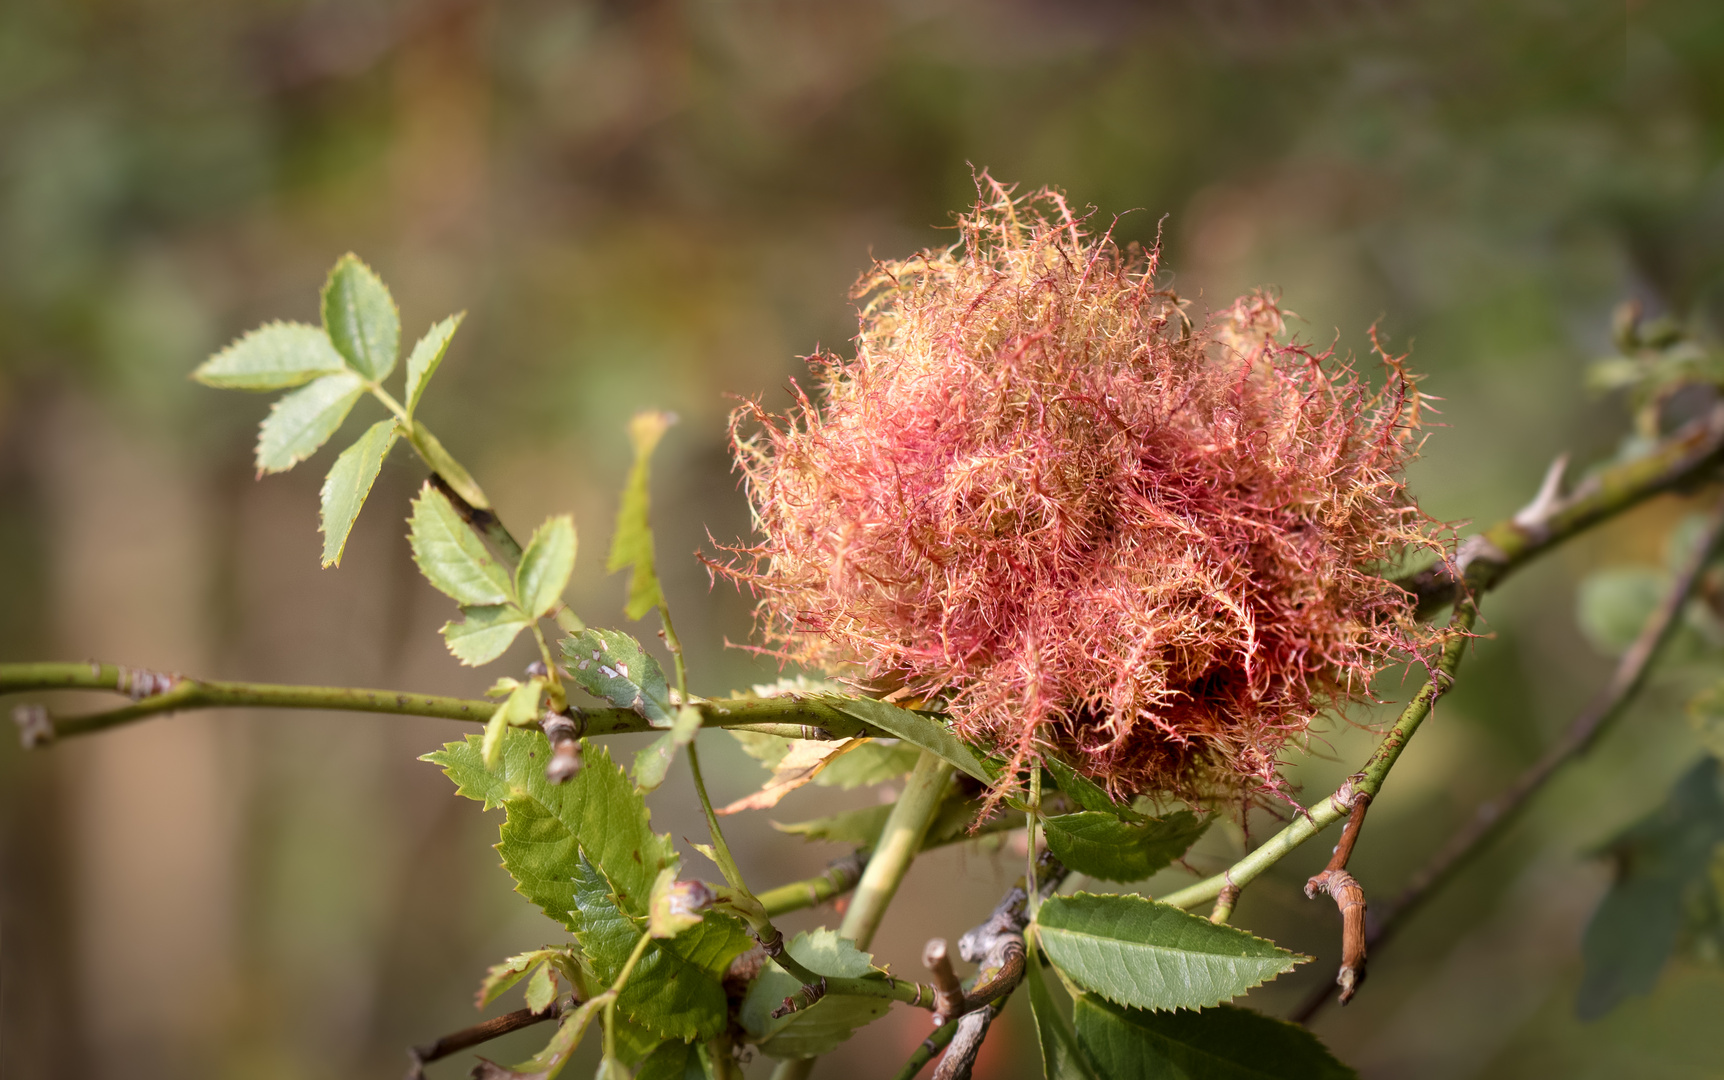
[(1062, 1057), (484, 633), (635, 1043), (598, 805), (547, 1063), (540, 852), (427, 357), (452, 556), (303, 420), (632, 544), (1103, 846), (923, 731), (874, 762), (1659, 860), (1086, 792), (360, 317), (612, 665), (500, 977), (1221, 1043), (653, 760), (275, 356), (669, 992), (819, 1028), (1150, 955), (673, 1061), (464, 763), (546, 566), (349, 482)]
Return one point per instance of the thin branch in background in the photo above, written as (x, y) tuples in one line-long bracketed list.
[(1493, 817), (482, 1032), (932, 1045), (1486, 558)]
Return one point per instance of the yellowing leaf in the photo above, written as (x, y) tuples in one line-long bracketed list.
[(802, 763), (654, 761), (632, 544), (519, 709)]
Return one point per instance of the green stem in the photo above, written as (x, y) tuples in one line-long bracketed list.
[(674, 644), (900, 840), (838, 879), (1368, 781), (726, 863), (557, 696), (1030, 817), (887, 989), (793, 717), (615, 992), (843, 875)]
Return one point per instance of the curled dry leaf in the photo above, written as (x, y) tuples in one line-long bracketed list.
[(800, 764)]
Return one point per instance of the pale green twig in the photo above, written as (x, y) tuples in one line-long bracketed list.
[(900, 840), (1368, 781), (163, 692)]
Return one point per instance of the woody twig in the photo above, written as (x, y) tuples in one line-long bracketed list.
[(1349, 898)]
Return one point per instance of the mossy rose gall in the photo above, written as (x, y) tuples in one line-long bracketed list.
[(1039, 492)]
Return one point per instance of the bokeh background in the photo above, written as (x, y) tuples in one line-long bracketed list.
[(663, 203)]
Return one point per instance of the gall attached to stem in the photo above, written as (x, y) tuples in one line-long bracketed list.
[(1039, 494)]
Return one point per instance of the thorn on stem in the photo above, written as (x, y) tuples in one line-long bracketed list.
[(35, 726), (804, 998), (140, 683), (564, 734)]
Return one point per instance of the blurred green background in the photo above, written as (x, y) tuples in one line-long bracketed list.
[(661, 204)]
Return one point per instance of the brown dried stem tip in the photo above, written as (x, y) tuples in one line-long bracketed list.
[(948, 991), (1040, 494), (1349, 898)]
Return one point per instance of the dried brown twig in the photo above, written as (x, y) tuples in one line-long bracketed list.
[(1349, 898), (1493, 817)]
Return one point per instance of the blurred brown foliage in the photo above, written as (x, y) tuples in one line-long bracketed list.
[(662, 203)]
